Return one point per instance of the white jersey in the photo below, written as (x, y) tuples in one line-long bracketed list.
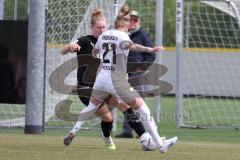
[(112, 72), (113, 56)]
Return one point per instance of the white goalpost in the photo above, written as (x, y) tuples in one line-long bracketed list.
[(208, 88)]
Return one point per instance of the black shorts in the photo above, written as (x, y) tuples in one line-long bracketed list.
[(84, 95), (84, 100)]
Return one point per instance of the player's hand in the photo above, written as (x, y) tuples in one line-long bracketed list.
[(158, 48), (74, 48)]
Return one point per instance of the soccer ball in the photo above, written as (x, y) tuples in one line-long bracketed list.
[(147, 142)]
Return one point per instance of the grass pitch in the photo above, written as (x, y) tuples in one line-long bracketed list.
[(89, 146), (193, 144)]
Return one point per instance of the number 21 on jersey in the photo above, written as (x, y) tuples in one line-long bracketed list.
[(108, 49)]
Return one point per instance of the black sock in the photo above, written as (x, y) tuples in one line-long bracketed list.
[(133, 120), (106, 128)]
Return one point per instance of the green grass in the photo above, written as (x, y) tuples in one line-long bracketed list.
[(198, 144), (201, 144)]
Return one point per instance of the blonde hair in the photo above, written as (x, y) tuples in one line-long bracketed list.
[(123, 17), (97, 16)]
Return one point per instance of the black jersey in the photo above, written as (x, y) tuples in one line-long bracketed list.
[(87, 65), (86, 43)]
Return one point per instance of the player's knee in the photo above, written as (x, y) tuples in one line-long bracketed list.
[(122, 106), (107, 117), (112, 101), (137, 103)]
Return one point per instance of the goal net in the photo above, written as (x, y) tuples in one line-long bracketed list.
[(211, 63)]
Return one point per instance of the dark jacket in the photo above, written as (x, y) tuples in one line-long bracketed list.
[(141, 37)]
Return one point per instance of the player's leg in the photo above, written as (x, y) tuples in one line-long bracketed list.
[(85, 100), (132, 116), (106, 117), (78, 124), (84, 115), (133, 99), (139, 105), (107, 120), (106, 125), (93, 104), (125, 92), (72, 133), (149, 124)]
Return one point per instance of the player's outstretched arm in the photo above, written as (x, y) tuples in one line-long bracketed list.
[(70, 48), (140, 48)]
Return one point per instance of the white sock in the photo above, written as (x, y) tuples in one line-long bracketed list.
[(79, 123), (77, 127), (149, 124), (89, 108)]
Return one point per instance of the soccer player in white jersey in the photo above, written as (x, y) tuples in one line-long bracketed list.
[(83, 47), (112, 48)]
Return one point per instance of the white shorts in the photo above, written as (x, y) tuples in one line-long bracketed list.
[(120, 89)]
